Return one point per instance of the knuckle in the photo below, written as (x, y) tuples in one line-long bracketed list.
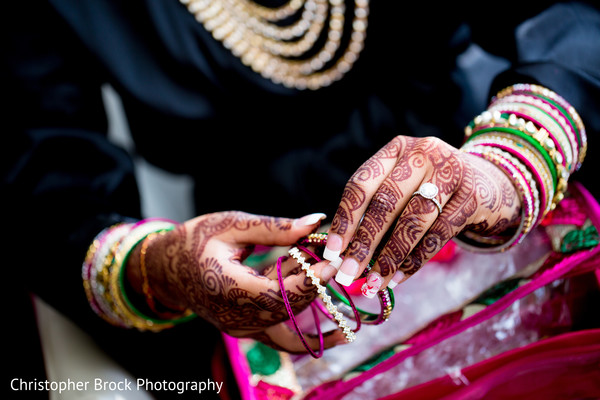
[(341, 221), (360, 247), (433, 242), (433, 142), (411, 264), (384, 201), (355, 179), (353, 198), (395, 251), (387, 264), (354, 194)]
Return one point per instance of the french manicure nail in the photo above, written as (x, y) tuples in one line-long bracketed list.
[(396, 279), (347, 272), (334, 247), (310, 219), (372, 285), (336, 263)]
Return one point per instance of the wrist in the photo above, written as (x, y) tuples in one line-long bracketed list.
[(512, 202), (153, 266)]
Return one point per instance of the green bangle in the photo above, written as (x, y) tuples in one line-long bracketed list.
[(529, 139)]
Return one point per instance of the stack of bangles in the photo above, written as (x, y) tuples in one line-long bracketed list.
[(538, 139), (104, 280), (336, 305)]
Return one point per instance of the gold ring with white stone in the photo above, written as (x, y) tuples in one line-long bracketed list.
[(429, 191)]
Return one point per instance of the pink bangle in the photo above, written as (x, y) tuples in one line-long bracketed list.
[(322, 290), (290, 312)]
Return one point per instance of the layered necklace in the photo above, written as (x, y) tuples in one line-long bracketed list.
[(300, 44)]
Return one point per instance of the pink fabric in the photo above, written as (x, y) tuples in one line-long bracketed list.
[(567, 212), (441, 323), (446, 254), (563, 367), (271, 392), (240, 367)]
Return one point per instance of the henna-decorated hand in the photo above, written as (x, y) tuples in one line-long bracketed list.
[(378, 198), (199, 266)]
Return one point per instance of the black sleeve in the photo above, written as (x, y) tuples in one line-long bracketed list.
[(559, 48), (62, 180)]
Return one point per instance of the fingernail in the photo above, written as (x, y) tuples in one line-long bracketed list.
[(328, 272), (336, 263), (310, 219), (396, 279), (372, 285), (347, 272), (334, 247)]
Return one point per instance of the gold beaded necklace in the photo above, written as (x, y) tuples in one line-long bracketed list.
[(285, 52)]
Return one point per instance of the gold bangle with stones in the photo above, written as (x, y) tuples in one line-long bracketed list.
[(571, 114), (558, 136)]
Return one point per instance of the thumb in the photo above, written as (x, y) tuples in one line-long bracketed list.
[(273, 231)]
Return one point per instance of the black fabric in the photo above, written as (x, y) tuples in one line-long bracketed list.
[(252, 145)]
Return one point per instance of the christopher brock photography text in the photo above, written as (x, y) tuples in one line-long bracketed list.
[(98, 384)]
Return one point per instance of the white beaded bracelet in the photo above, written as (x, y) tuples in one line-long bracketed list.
[(331, 308)]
